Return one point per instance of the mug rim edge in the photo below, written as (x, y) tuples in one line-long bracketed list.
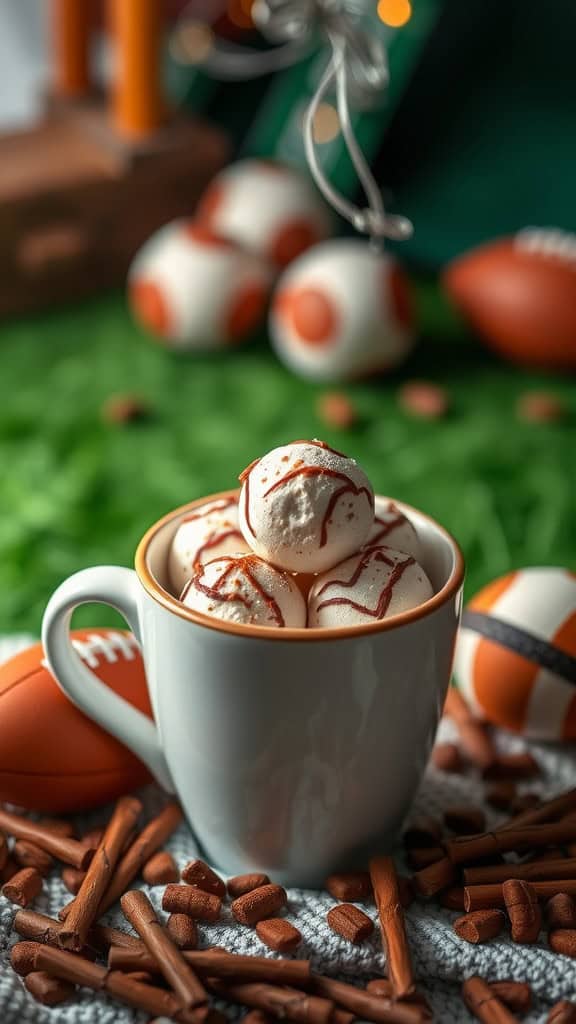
[(304, 633)]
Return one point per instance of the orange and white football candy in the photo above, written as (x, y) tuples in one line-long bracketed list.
[(516, 653), (52, 757), (266, 207), (195, 290), (341, 311)]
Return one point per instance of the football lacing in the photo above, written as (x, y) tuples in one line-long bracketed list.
[(111, 645), (548, 242)]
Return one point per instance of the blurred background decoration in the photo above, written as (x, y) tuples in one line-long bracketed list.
[(109, 128)]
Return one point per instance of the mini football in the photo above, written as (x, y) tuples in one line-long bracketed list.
[(52, 757), (194, 289), (266, 207), (516, 653), (342, 311), (518, 295)]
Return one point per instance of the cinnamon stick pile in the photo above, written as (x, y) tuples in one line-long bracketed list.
[(518, 878), (157, 967)]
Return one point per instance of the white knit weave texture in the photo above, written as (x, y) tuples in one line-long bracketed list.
[(441, 960)]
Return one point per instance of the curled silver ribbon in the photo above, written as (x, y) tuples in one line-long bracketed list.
[(357, 71)]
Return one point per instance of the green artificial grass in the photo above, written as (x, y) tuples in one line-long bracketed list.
[(75, 491)]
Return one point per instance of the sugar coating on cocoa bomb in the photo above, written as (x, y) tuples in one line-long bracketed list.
[(207, 532), (393, 528), (375, 584), (305, 507), (244, 589)]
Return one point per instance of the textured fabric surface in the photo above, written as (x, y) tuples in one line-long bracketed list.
[(441, 959)]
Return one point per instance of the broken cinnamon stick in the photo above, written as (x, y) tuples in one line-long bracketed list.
[(39, 928), (198, 873), (481, 897), (528, 837), (563, 940), (532, 871), (516, 995), (348, 886), (278, 934), (212, 963), (23, 887), (68, 850), (138, 910), (99, 873), (29, 855), (263, 902), (391, 915), (561, 911), (523, 910), (183, 931), (367, 1006), (480, 926), (47, 990), (285, 1003), (69, 967), (241, 884), (151, 838), (186, 899), (484, 1004), (160, 869)]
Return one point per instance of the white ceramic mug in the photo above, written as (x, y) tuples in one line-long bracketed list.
[(293, 751)]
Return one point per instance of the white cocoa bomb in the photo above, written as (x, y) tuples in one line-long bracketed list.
[(266, 207), (341, 311), (245, 589), (205, 534), (195, 290), (394, 529), (305, 506), (374, 584)]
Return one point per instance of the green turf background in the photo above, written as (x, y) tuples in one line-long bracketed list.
[(76, 492)]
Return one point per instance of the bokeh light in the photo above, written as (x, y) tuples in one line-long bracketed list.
[(394, 12), (192, 42), (326, 123)]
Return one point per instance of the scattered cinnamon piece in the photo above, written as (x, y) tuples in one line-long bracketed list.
[(561, 912), (434, 878), (183, 931), (512, 766), (480, 926), (336, 410), (391, 915), (28, 855), (529, 871), (201, 875), (138, 910), (23, 887), (122, 409), (484, 1004), (263, 902), (562, 1013), (422, 399), (465, 820), (423, 831), (500, 795), (516, 995), (187, 899), (278, 934), (284, 1003), (523, 910), (421, 856), (160, 869), (73, 879), (453, 898), (241, 884), (368, 1004), (447, 757), (563, 940), (47, 990), (350, 922), (540, 407), (350, 886)]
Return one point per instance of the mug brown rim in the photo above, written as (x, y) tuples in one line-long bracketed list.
[(162, 597)]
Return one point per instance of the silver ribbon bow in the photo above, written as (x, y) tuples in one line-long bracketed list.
[(357, 72)]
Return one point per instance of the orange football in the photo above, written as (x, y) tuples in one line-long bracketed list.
[(52, 757), (518, 295)]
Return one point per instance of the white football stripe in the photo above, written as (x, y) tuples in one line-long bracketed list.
[(538, 600), (548, 705), (466, 648)]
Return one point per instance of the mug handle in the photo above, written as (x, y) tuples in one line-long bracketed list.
[(118, 587)]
